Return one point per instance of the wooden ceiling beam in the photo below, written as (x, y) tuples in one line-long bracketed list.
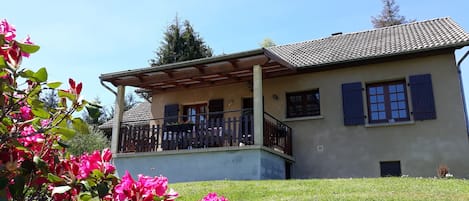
[(169, 73), (201, 68), (234, 63)]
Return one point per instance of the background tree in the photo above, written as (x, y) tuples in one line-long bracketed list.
[(389, 15), (267, 42), (95, 139), (129, 102), (180, 43), (50, 98)]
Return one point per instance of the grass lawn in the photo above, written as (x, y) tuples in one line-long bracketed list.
[(329, 189)]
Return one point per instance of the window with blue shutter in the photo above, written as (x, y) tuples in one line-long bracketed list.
[(352, 103), (423, 102), (171, 112)]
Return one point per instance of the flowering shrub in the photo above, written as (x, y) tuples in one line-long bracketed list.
[(34, 162), (213, 197)]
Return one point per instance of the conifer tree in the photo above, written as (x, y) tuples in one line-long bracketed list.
[(180, 43), (389, 15)]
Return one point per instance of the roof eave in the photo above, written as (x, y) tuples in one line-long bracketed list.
[(110, 76)]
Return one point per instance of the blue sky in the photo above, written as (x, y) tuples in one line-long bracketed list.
[(83, 39)]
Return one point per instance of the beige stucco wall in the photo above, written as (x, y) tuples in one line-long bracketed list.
[(324, 147)]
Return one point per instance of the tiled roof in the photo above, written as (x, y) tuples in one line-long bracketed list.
[(139, 114), (389, 41)]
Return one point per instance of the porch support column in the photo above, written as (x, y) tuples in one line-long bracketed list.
[(258, 105), (116, 124)]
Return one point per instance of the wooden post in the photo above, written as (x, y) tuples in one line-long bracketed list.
[(118, 111), (258, 105)]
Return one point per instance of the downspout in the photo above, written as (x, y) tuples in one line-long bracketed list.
[(458, 65), (108, 88)]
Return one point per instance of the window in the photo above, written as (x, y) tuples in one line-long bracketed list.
[(387, 102), (194, 113), (303, 104)]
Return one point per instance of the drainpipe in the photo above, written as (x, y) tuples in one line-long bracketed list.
[(108, 88), (462, 90)]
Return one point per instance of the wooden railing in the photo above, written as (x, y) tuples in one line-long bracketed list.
[(277, 135), (215, 132), (236, 130)]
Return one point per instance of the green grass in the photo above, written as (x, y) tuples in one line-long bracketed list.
[(330, 189)]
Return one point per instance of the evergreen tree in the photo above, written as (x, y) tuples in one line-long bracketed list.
[(180, 43), (389, 16), (50, 98)]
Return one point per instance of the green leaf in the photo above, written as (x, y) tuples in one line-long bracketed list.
[(103, 190), (54, 85), (63, 144), (2, 62), (86, 196), (97, 174), (40, 112), (3, 182), (80, 126), (65, 133), (26, 74), (54, 178), (7, 121), (35, 91), (28, 48), (40, 75), (64, 94), (17, 188), (3, 129), (60, 189)]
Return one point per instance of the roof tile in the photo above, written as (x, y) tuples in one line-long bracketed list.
[(400, 39)]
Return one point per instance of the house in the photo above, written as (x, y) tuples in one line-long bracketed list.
[(381, 102), (137, 116)]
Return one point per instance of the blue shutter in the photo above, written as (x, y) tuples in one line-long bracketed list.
[(423, 101), (215, 106), (352, 103), (171, 112)]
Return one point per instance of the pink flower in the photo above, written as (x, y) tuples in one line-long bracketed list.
[(109, 168), (12, 55), (8, 30), (213, 197), (45, 122), (124, 189), (145, 188), (26, 113), (27, 40), (96, 161), (74, 88), (30, 137), (106, 155)]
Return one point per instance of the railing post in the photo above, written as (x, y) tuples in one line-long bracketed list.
[(258, 105), (119, 110)]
